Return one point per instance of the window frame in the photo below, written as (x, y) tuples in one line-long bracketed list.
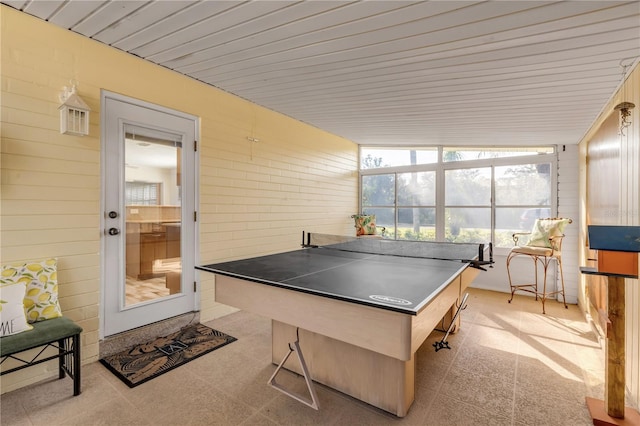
[(137, 186), (441, 166)]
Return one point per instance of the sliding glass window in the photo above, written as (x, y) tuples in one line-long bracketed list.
[(458, 194), (468, 205)]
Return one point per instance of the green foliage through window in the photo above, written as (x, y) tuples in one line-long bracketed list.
[(503, 195)]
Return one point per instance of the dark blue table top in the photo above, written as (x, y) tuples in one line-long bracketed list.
[(401, 284), (614, 238)]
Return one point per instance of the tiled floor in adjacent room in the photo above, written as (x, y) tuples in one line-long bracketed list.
[(508, 365)]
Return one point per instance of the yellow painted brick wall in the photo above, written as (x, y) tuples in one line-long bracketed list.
[(254, 197)]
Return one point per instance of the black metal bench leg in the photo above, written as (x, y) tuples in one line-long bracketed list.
[(76, 365), (62, 344), (47, 335)]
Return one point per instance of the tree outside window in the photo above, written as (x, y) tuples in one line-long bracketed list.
[(486, 203)]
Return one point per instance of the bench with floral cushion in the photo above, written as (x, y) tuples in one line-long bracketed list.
[(30, 318)]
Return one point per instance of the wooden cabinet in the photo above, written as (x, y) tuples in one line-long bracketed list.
[(146, 243), (173, 240), (153, 246), (133, 250)]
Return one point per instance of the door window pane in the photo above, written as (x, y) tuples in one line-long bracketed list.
[(153, 215)]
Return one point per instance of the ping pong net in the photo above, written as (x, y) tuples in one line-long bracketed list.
[(472, 253)]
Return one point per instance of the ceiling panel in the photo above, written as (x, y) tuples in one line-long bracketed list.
[(67, 17), (43, 8), (387, 72), (181, 19), (229, 18), (270, 29), (143, 17)]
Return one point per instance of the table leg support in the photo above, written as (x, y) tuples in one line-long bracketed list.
[(443, 344), (379, 380), (313, 402)]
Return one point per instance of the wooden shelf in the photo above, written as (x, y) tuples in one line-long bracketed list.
[(594, 271)]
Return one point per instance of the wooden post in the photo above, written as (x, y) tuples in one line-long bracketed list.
[(615, 351), (618, 248), (612, 410)]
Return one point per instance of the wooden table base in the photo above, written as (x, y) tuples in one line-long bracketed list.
[(601, 418)]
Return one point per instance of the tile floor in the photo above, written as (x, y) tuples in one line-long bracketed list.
[(137, 291), (509, 365)]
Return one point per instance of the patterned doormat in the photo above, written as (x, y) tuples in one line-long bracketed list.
[(142, 363)]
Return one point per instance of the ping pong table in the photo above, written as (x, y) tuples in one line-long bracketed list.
[(358, 309)]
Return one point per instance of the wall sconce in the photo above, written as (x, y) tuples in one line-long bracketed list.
[(74, 113), (625, 115)]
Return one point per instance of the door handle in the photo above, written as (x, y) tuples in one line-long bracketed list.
[(113, 231)]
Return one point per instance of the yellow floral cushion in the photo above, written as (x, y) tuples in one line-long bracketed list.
[(543, 229), (12, 291), (365, 224), (41, 298)]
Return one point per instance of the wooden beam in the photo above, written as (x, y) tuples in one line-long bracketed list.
[(615, 349), (612, 410)]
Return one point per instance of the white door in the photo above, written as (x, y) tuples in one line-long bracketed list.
[(149, 221)]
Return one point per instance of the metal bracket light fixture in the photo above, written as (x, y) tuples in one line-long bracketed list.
[(625, 107), (625, 115)]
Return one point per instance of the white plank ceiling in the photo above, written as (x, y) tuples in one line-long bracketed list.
[(387, 72)]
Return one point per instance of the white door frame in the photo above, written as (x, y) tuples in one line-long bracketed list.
[(189, 241)]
